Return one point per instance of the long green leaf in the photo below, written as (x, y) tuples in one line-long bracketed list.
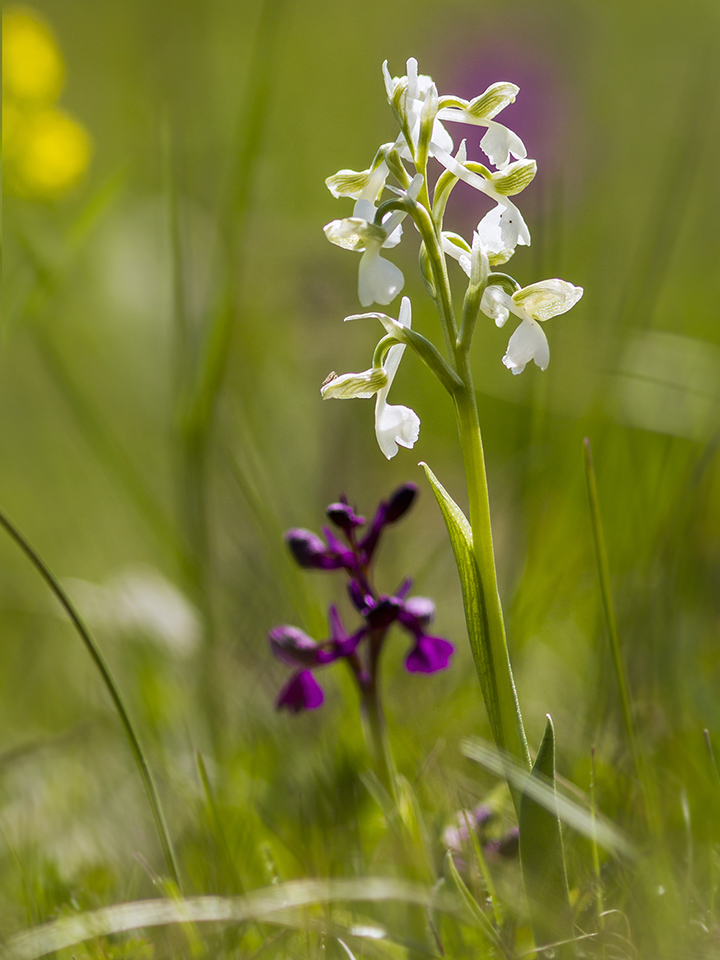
[(541, 852), (461, 540)]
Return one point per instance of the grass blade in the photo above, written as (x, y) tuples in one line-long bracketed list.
[(113, 690), (571, 813), (541, 851), (641, 769), (260, 905)]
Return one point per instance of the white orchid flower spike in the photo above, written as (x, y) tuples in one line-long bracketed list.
[(539, 301), (394, 424)]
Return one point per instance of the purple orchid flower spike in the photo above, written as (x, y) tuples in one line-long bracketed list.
[(349, 550)]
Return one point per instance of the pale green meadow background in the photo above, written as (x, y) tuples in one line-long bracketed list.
[(189, 210)]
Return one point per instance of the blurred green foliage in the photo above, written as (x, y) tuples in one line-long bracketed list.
[(133, 449)]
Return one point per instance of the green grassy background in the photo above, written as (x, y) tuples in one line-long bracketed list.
[(214, 125)]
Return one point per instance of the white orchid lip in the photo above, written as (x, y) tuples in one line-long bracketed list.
[(395, 425), (527, 343)]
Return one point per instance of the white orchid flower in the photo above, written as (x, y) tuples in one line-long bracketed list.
[(539, 301), (394, 424), (499, 143), (379, 281), (499, 188)]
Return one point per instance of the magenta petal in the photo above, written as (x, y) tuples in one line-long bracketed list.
[(301, 692), (429, 654)]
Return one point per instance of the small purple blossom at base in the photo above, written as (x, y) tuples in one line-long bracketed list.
[(301, 692), (429, 655)]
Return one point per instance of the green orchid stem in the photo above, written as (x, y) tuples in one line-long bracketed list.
[(376, 733), (113, 690), (471, 307), (510, 736), (508, 729), (443, 299), (374, 720)]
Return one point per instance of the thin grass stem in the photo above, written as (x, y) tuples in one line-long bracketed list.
[(113, 690), (594, 846), (641, 770), (379, 743)]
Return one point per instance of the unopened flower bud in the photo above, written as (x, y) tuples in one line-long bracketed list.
[(343, 516), (400, 502), (310, 551), (293, 647)]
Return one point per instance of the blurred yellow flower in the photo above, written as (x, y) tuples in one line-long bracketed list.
[(32, 67), (45, 150)]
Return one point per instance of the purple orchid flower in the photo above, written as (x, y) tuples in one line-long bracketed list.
[(295, 648), (354, 551), (429, 653), (301, 692)]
